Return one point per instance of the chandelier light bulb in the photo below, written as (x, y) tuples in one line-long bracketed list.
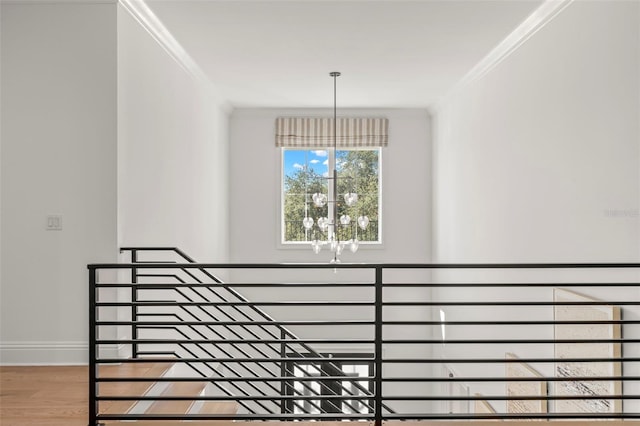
[(316, 246), (353, 246), (345, 219), (319, 199), (323, 224), (350, 198), (307, 222), (363, 222)]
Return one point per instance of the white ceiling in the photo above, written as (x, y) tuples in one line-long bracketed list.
[(278, 53)]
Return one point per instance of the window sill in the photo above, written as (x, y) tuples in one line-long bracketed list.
[(307, 246)]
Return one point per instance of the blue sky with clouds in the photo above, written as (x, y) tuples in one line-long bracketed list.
[(314, 159)]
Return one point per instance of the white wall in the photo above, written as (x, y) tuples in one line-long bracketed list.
[(58, 157), (255, 185), (538, 161), (172, 151)]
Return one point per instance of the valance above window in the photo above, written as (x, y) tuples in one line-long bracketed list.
[(310, 132)]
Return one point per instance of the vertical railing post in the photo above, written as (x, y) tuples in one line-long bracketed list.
[(378, 348), (283, 372), (134, 306), (93, 386)]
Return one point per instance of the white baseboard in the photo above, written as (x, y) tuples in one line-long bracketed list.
[(50, 353)]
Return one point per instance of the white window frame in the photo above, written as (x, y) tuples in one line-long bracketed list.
[(300, 244)]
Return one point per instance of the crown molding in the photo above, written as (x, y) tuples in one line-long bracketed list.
[(139, 10), (534, 23)]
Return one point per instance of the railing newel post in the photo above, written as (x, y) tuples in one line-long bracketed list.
[(93, 386), (378, 347)]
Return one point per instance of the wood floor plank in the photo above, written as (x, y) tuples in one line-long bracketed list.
[(134, 369), (44, 396)]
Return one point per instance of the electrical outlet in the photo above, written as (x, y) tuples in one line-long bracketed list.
[(54, 223)]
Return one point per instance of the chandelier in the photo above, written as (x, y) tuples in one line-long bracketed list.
[(326, 228)]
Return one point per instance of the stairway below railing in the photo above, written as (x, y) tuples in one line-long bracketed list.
[(268, 329)]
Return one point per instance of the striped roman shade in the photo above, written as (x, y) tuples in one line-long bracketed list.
[(310, 132)]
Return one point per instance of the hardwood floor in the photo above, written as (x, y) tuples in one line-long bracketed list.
[(43, 396), (58, 396)]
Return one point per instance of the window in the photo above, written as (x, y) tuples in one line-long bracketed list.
[(309, 171), (361, 390)]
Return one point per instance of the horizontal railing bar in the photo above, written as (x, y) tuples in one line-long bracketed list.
[(165, 303), (232, 323), (360, 360), (185, 417), (512, 303), (352, 322), (236, 379), (260, 416), (511, 284), (230, 341), (364, 360), (501, 360), (511, 398), (612, 265), (504, 341), (550, 322), (236, 397), (158, 314), (385, 416), (514, 379), (152, 248), (362, 303), (159, 286), (365, 378), (238, 360), (156, 353), (159, 326)]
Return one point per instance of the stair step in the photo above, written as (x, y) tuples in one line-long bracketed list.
[(219, 407), (134, 369), (151, 370), (193, 389)]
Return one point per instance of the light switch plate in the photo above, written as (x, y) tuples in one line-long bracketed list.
[(54, 223)]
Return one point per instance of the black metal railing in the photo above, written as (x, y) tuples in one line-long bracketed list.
[(372, 342), (223, 293)]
